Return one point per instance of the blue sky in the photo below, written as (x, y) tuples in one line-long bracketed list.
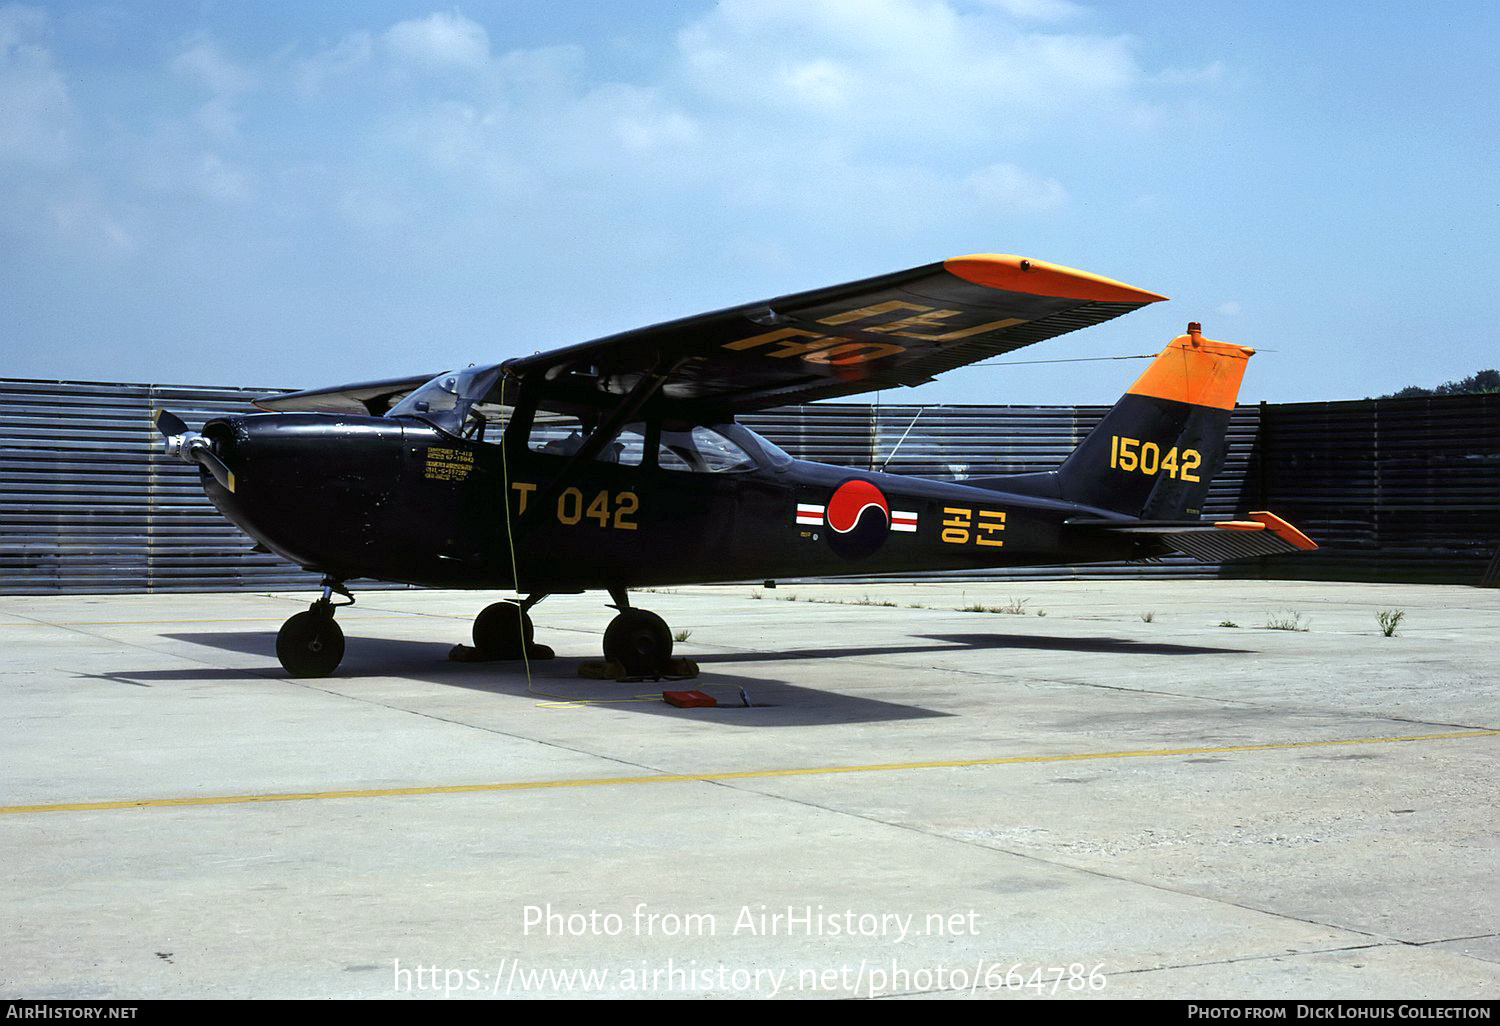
[(298, 194)]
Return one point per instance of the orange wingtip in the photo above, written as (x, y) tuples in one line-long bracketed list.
[(1039, 278), (1239, 525), (1197, 371), (1283, 530)]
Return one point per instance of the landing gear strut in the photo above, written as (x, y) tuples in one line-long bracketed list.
[(637, 639), (310, 644)]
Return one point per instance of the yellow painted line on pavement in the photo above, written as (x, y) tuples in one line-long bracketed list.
[(682, 778)]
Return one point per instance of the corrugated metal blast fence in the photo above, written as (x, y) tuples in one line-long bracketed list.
[(1392, 489), (1401, 489)]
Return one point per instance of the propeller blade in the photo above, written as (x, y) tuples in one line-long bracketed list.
[(169, 423), (198, 452), (216, 467)]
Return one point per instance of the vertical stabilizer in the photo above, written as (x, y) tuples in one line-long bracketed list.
[(1155, 453)]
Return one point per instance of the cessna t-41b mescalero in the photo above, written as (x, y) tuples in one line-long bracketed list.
[(617, 464)]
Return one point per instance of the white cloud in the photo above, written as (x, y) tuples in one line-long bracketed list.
[(1007, 188), (907, 70), (226, 81), (1038, 10), (81, 220), (343, 58), (846, 118), (218, 179), (773, 103), (35, 111), (440, 40), (779, 134), (204, 62), (640, 120)]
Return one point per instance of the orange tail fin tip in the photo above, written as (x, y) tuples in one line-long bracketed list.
[(1206, 373)]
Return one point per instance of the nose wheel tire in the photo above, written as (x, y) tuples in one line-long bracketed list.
[(310, 644), (640, 642), (503, 631)]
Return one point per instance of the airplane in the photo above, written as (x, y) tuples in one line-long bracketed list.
[(618, 464)]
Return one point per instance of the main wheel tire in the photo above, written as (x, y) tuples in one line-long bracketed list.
[(640, 642), (310, 645), (503, 631)]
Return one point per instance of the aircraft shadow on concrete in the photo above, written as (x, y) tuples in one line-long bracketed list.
[(959, 642), (774, 703), (1113, 646)]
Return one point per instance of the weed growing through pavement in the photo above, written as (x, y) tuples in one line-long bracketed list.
[(1287, 620)]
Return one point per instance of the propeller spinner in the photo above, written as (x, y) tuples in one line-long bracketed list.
[(192, 447)]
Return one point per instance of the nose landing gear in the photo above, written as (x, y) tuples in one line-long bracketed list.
[(311, 644)]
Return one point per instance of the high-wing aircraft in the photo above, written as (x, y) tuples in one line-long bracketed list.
[(618, 464)]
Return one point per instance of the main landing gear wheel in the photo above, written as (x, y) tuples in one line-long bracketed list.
[(310, 644), (503, 631), (640, 642)]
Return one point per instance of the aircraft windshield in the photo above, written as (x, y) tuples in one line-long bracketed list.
[(775, 455), (448, 401)]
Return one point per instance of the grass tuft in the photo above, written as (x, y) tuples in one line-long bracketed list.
[(1287, 620), (1389, 620)]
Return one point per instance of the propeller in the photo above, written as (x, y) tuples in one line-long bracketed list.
[(192, 447)]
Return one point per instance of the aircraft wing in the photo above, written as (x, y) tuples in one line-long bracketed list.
[(897, 329), (370, 398)]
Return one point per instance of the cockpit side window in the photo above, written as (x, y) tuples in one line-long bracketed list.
[(561, 434), (701, 450)]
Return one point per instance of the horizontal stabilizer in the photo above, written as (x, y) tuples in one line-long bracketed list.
[(1208, 541)]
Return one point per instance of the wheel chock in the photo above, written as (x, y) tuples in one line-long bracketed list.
[(681, 669), (469, 654), (608, 669), (689, 699)]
